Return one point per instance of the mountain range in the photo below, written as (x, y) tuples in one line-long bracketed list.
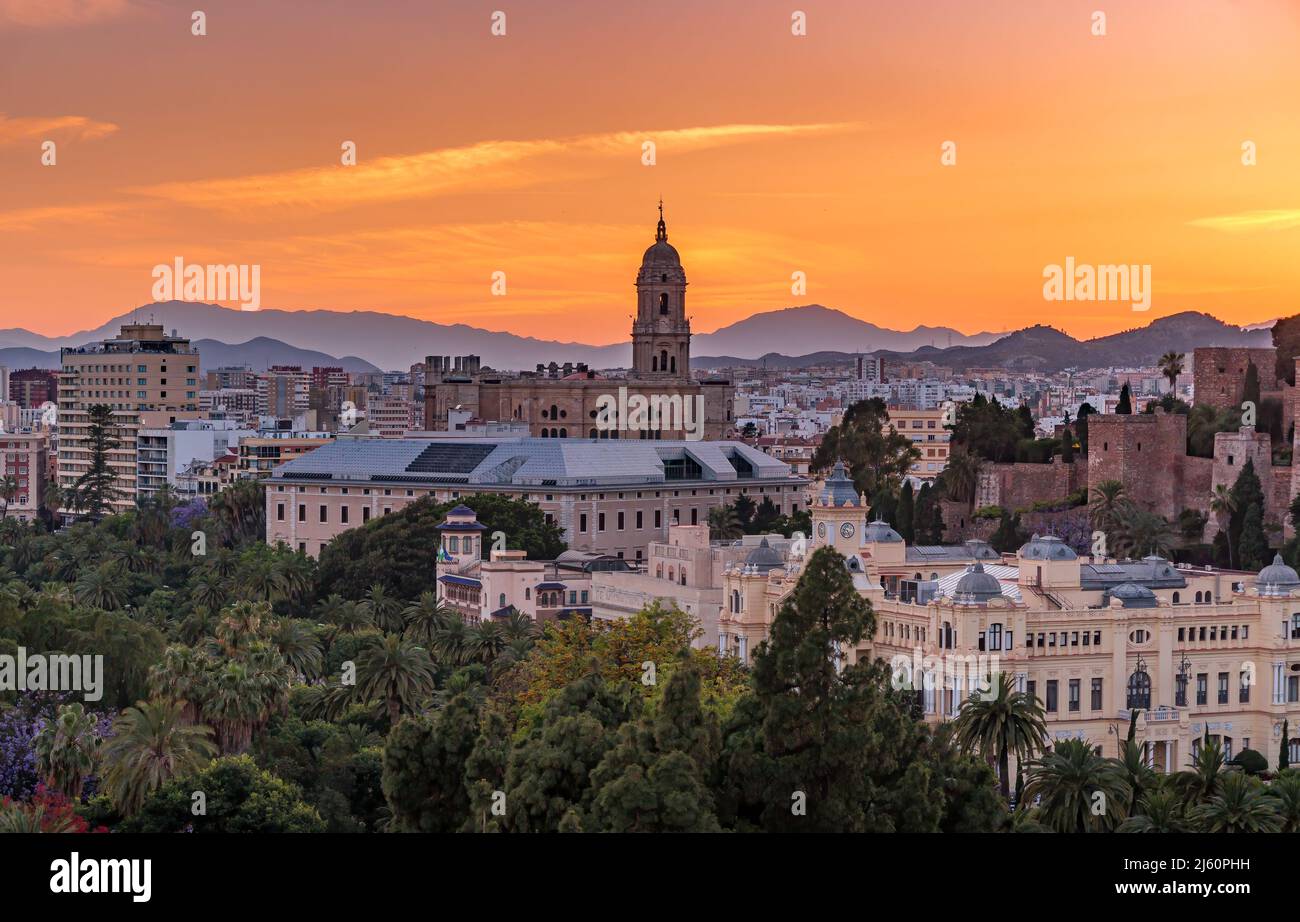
[(393, 342), (1046, 349), (808, 335)]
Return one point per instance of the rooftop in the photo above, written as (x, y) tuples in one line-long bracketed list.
[(535, 462)]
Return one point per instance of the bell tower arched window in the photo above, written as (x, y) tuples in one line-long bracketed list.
[(663, 304)]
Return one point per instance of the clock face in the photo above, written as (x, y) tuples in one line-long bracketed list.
[(821, 529), (847, 529)]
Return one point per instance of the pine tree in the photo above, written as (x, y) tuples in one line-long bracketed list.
[(654, 779), (1125, 400), (1067, 446), (1284, 754), (94, 490), (1253, 547), (906, 510), (1008, 536), (1246, 492), (1250, 386)]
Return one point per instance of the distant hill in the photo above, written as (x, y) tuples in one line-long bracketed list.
[(395, 343), (1046, 349), (814, 328), (811, 334)]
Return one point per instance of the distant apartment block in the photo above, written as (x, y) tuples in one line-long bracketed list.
[(925, 430), (23, 458), (148, 380), (31, 387)]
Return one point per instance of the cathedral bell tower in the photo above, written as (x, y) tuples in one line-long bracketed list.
[(661, 334)]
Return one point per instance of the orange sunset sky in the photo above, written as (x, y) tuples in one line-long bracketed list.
[(775, 154)]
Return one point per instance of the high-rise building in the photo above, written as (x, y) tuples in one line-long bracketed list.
[(146, 378), (31, 387)]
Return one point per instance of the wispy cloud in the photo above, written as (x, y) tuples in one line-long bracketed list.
[(78, 127), (53, 14), (24, 219), (1260, 219), (485, 166)]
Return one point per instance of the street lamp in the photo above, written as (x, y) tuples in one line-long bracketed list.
[(1184, 672)]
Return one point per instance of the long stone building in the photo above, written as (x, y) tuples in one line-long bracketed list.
[(1196, 651)]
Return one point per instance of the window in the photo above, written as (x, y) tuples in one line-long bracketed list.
[(365, 513), (582, 522), (1139, 691), (995, 637), (1074, 694), (638, 520), (324, 514), (279, 512), (1180, 696), (1223, 688), (1051, 696), (600, 521), (1096, 695), (659, 518), (343, 515), (302, 512), (1243, 692), (1202, 688), (620, 521), (1031, 689)]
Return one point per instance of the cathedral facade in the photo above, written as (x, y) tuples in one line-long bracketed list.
[(569, 405)]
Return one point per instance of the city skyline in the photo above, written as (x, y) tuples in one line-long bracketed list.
[(1127, 150)]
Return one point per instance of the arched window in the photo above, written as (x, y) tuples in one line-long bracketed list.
[(528, 593), (1175, 598), (673, 363), (735, 600), (555, 413), (564, 433), (502, 602), (654, 363), (1139, 691), (663, 304), (1198, 598), (595, 434), (663, 359)]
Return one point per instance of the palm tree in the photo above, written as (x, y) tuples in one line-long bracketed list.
[(209, 592), (298, 645), (66, 750), (232, 705), (150, 745), (426, 617), (1285, 791), (485, 642), (1159, 810), (1079, 790), (384, 610), (1223, 504), (1140, 533), (181, 678), (103, 587), (1206, 775), (724, 523), (1171, 366), (1008, 723), (961, 475), (396, 672), (1108, 502), (8, 490), (1240, 806)]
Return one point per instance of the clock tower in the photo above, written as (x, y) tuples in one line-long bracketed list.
[(839, 515), (661, 334)]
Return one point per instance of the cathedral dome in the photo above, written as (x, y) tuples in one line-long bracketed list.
[(661, 257)]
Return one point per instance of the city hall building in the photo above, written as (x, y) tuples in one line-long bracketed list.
[(1196, 650)]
